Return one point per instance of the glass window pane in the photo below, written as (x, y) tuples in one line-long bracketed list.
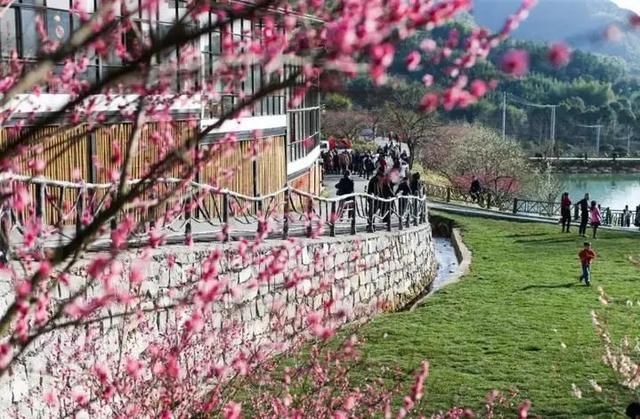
[(131, 7), (227, 104), (89, 5), (36, 2), (58, 25), (246, 27), (215, 43), (91, 75), (58, 4), (237, 27), (8, 32), (204, 43), (167, 10), (29, 35)]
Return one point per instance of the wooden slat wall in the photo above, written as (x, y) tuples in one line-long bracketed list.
[(231, 165), (271, 165), (64, 151)]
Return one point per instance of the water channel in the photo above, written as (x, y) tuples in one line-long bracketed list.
[(613, 191), (447, 262)]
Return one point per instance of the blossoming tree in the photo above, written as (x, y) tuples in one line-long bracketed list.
[(197, 365)]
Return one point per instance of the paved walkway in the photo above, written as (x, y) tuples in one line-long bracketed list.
[(360, 185), (480, 212)]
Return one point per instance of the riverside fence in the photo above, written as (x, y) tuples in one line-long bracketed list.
[(508, 204), (195, 211)]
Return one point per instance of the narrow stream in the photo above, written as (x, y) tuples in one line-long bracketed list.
[(447, 262)]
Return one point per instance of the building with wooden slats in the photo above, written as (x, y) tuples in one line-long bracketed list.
[(286, 151)]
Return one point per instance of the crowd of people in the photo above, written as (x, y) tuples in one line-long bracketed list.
[(387, 171)]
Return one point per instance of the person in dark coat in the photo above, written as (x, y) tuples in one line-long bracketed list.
[(565, 212), (633, 410), (584, 204), (416, 184), (369, 166), (404, 189), (475, 189), (380, 187), (345, 186)]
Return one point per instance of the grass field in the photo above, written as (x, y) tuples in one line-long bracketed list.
[(504, 325)]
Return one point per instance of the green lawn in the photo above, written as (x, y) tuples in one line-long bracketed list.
[(502, 327)]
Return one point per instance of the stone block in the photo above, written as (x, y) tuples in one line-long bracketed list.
[(245, 275), (341, 259)]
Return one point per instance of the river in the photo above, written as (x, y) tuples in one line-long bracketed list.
[(613, 191)]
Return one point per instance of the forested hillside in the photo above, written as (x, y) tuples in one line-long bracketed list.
[(592, 89)]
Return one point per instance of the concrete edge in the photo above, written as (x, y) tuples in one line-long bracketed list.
[(464, 256)]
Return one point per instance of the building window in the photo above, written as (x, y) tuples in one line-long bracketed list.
[(29, 37), (58, 25), (8, 39)]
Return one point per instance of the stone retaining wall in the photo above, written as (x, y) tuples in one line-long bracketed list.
[(361, 274)]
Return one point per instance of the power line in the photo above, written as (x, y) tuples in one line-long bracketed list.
[(520, 101), (598, 128)]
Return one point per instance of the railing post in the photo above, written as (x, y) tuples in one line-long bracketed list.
[(187, 217), (309, 212), (285, 222), (332, 225), (225, 217), (114, 220), (258, 204), (353, 216), (410, 211), (389, 204), (370, 214), (400, 212), (488, 200), (40, 202), (448, 194), (608, 216), (515, 205), (79, 210), (152, 211), (417, 214)]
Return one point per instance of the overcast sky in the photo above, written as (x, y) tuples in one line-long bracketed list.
[(629, 4)]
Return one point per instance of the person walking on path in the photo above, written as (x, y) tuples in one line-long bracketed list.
[(475, 189), (416, 185), (379, 186), (584, 215), (369, 166), (345, 187), (596, 217), (625, 221), (404, 189), (586, 255), (565, 212)]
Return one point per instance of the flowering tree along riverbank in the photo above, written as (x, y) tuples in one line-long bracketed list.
[(142, 64)]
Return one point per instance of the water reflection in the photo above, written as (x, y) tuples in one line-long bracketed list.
[(614, 191)]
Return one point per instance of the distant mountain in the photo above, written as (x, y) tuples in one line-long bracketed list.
[(581, 23)]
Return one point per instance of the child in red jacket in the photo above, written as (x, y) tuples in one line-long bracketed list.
[(586, 255)]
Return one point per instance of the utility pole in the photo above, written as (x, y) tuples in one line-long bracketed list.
[(598, 132), (504, 115), (553, 125)]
